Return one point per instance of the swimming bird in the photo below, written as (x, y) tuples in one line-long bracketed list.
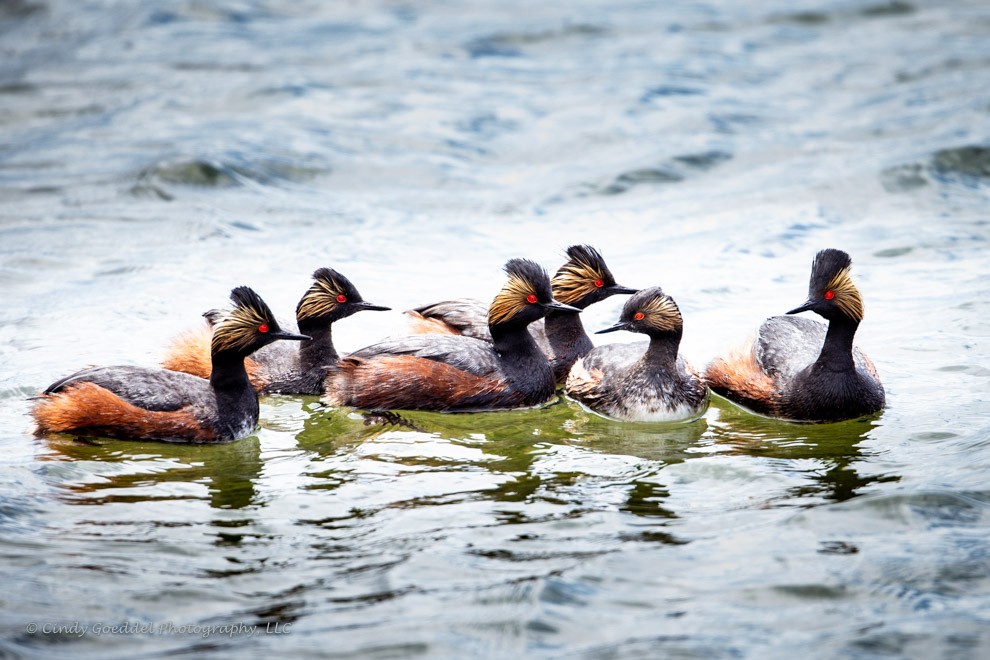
[(458, 373), (582, 281), (803, 370), (156, 404), (644, 381), (280, 368)]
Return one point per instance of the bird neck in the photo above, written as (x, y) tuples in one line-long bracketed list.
[(237, 403), (228, 372), (836, 354), (662, 351), (319, 351), (515, 346), (565, 331)]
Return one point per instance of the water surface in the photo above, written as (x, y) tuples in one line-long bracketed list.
[(154, 155)]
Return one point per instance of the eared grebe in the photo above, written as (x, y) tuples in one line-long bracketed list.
[(641, 382), (157, 404), (456, 373), (796, 370), (584, 280), (280, 368)]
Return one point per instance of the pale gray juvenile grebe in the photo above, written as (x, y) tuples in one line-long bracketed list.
[(641, 382)]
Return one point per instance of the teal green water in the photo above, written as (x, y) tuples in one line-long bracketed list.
[(153, 157)]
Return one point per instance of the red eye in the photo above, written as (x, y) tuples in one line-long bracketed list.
[(599, 283), (638, 316), (531, 298), (829, 295), (263, 327), (341, 298)]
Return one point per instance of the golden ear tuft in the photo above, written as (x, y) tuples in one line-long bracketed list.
[(662, 313), (238, 329), (845, 295), (584, 273), (319, 300), (510, 300), (574, 281)]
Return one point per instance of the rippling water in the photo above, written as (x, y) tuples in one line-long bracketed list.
[(154, 155)]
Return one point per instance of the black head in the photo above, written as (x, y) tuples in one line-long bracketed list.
[(585, 279), (831, 292), (650, 311), (248, 326), (525, 297), (330, 298)]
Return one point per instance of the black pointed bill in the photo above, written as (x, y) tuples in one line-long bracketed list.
[(621, 325), (810, 304), (282, 334), (367, 306), (618, 288), (557, 306)]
